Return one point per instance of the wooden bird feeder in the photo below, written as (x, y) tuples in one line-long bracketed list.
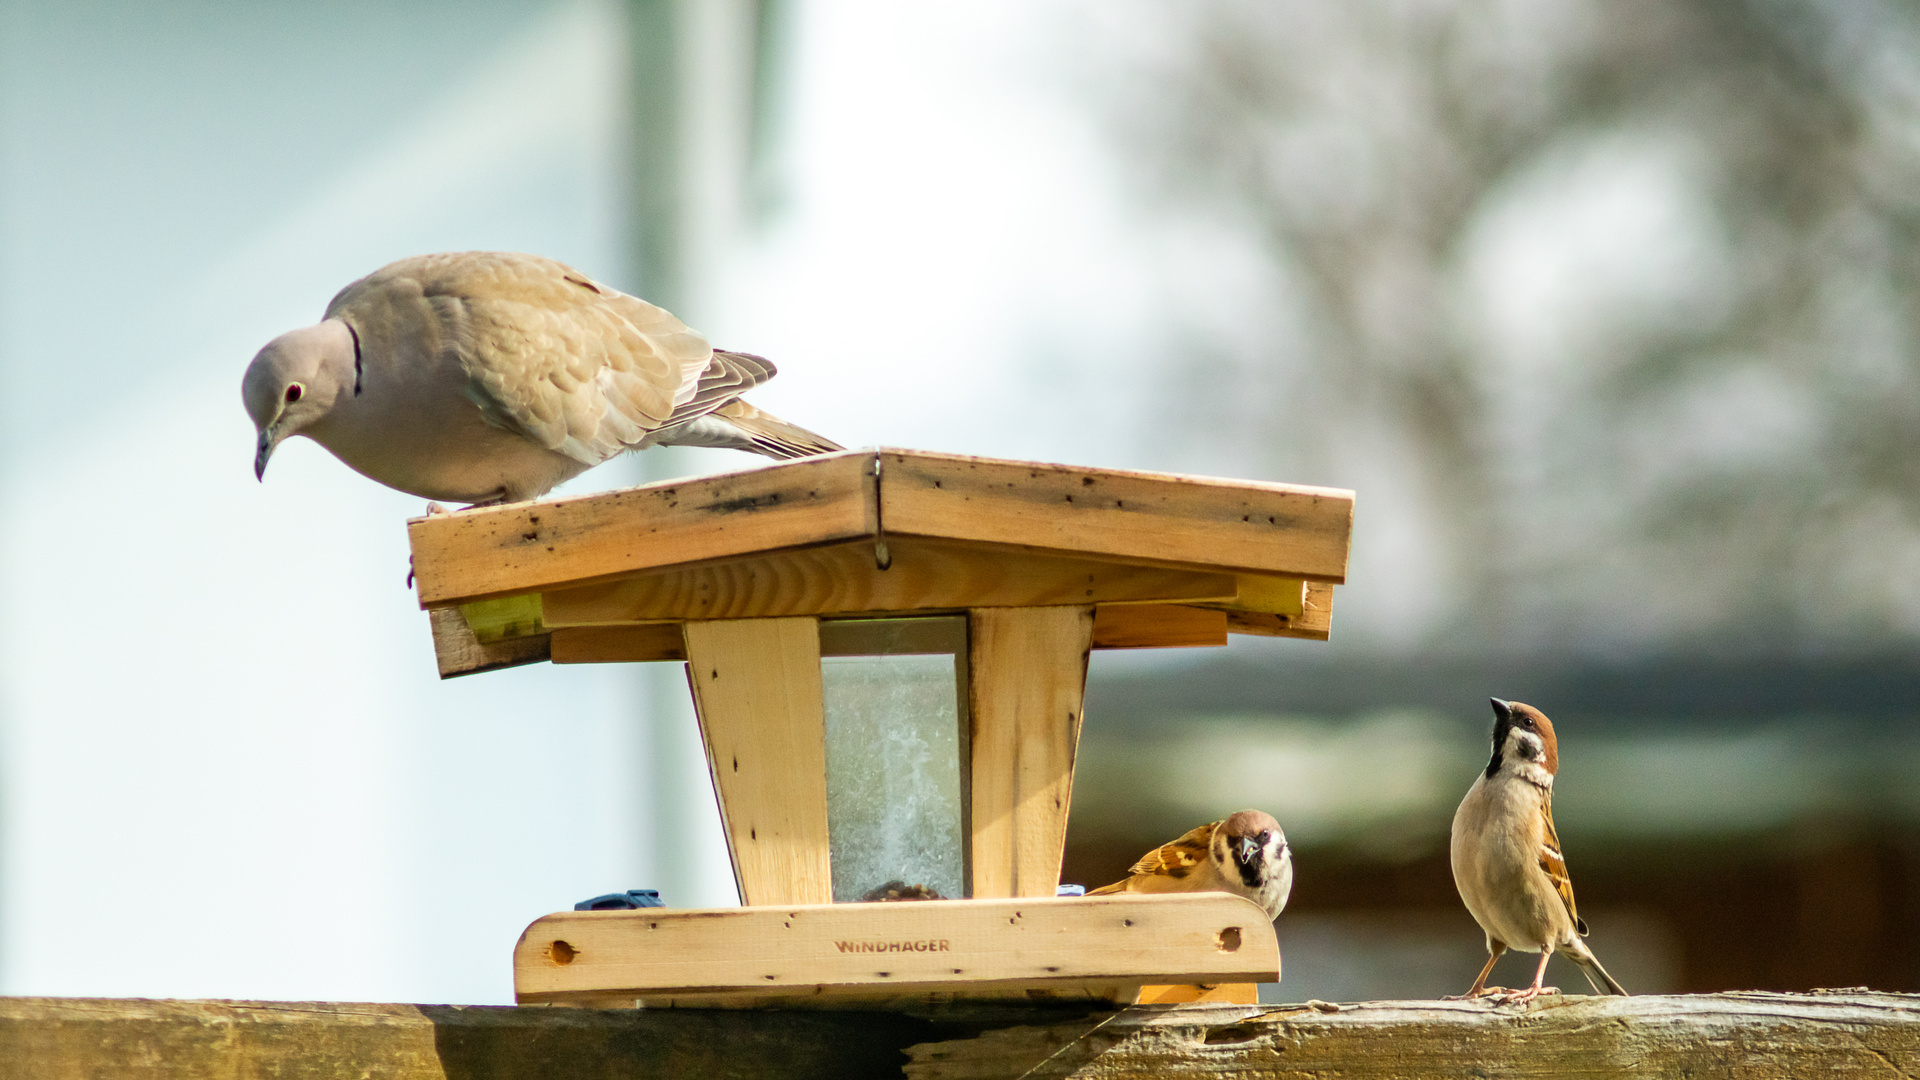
[(888, 654)]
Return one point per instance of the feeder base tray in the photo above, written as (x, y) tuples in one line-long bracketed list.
[(1096, 949)]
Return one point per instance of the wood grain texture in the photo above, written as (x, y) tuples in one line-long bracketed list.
[(530, 547), (458, 652), (1752, 1036), (1027, 683), (843, 579), (1821, 1036), (639, 643), (1281, 529), (756, 687), (1157, 626), (102, 1039), (852, 950)]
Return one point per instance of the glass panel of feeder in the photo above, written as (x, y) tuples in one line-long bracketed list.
[(895, 806)]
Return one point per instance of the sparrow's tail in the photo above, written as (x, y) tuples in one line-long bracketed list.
[(1104, 890), (768, 434), (1602, 982)]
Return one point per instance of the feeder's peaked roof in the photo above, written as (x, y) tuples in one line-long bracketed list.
[(874, 531)]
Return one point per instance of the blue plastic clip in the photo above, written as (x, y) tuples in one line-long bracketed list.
[(622, 901), (1069, 890)]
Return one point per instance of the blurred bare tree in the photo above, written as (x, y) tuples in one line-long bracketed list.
[(1630, 287)]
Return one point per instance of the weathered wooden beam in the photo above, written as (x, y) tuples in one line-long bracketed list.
[(97, 1039), (1751, 1036)]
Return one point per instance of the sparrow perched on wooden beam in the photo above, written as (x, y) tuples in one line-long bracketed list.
[(1245, 854), (1506, 856)]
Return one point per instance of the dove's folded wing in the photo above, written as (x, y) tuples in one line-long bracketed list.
[(576, 366)]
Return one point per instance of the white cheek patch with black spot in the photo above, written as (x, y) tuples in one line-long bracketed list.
[(1527, 747)]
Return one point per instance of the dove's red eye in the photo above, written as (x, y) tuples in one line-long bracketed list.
[(293, 393)]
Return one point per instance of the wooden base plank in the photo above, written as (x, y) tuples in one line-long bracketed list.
[(845, 952)]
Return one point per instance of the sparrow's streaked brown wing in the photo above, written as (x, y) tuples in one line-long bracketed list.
[(1555, 864), (1172, 860)]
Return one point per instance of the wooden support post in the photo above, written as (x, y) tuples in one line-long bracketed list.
[(1027, 680), (756, 686)]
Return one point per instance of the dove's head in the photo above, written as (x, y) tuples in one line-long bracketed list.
[(296, 380)]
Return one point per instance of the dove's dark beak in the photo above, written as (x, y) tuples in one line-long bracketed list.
[(263, 451)]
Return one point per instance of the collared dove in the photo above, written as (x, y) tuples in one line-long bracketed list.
[(490, 377)]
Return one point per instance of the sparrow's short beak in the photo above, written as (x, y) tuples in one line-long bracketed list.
[(1501, 709), (1248, 849), (262, 451)]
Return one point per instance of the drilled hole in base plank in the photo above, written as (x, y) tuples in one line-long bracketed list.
[(561, 953), (1229, 939)]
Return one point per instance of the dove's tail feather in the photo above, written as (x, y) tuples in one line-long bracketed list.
[(768, 434)]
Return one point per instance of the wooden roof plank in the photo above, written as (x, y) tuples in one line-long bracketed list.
[(529, 547), (1282, 529)]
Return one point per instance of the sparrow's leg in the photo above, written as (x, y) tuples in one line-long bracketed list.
[(1480, 983), (1534, 991)]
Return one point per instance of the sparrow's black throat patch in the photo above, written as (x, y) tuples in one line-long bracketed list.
[(1249, 864), (1502, 723)]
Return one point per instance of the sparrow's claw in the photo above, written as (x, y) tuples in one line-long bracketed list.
[(1521, 997), (1485, 991)]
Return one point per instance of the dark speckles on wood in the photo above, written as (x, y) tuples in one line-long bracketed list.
[(735, 506)]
